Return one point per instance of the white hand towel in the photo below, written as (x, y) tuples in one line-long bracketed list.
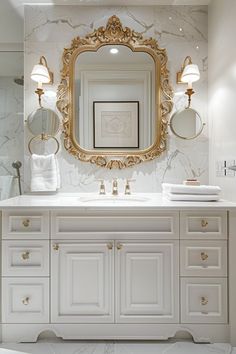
[(45, 175), (181, 188), (192, 197)]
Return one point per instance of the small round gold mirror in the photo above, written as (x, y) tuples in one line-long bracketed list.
[(43, 121), (186, 124)]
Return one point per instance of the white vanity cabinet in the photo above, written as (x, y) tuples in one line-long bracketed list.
[(133, 282), (147, 285), (82, 276), (88, 273)]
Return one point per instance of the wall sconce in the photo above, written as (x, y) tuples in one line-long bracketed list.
[(189, 73), (42, 75)]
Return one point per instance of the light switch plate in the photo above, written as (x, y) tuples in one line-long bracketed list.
[(230, 173)]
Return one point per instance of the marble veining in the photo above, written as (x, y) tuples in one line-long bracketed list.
[(11, 129), (182, 30), (119, 348)]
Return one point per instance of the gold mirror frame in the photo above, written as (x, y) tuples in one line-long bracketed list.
[(115, 34)]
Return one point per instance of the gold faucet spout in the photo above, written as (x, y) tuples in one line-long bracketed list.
[(114, 187)]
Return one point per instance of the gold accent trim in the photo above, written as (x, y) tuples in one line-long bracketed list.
[(187, 61), (204, 223), (184, 137), (43, 137), (26, 222), (204, 256), (25, 301), (119, 246), (110, 246), (43, 61), (55, 247), (116, 34), (204, 301), (25, 255)]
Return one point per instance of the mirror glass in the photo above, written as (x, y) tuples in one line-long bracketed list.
[(186, 123), (43, 121), (114, 99)]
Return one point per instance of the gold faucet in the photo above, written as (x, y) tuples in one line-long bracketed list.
[(114, 187), (127, 186), (102, 190)]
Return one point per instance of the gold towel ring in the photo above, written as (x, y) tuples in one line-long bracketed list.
[(43, 137)]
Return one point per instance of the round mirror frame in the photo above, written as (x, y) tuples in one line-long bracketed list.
[(32, 114), (115, 34), (183, 137)]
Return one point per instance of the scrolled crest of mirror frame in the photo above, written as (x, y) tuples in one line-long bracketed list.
[(114, 33)]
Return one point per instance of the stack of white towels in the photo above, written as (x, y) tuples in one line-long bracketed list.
[(181, 192)]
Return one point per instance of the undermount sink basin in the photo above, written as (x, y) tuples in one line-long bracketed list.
[(114, 199)]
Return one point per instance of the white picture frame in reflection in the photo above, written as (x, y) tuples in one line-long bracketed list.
[(116, 124)]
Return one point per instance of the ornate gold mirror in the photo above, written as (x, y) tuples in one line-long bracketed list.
[(115, 97)]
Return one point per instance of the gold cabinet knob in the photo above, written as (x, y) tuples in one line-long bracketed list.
[(204, 223), (119, 246), (204, 256), (25, 255), (25, 301), (55, 246), (110, 246), (26, 222), (204, 301)]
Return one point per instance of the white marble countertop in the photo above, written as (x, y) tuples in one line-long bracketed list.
[(94, 201)]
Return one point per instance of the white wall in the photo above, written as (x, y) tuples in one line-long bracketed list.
[(11, 24), (222, 91)]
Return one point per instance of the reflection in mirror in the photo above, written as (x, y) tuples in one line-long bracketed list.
[(115, 87), (43, 121), (186, 124)]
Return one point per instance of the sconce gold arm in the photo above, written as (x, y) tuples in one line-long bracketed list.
[(39, 91), (187, 61), (43, 61)]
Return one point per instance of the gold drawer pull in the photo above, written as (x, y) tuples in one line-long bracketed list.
[(204, 256), (204, 223), (110, 246), (26, 222), (25, 255), (55, 246), (119, 246), (25, 301), (204, 301)]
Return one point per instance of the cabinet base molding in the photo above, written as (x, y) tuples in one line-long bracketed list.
[(201, 333)]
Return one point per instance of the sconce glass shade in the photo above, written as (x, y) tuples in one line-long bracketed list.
[(190, 74), (40, 74)]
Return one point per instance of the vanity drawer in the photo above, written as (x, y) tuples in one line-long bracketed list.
[(25, 300), (64, 225), (204, 300), (203, 258), (203, 225), (25, 225), (25, 258)]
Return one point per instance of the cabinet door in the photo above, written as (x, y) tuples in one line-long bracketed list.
[(82, 282), (147, 282)]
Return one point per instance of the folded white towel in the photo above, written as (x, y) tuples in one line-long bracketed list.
[(45, 174), (192, 197), (181, 188)]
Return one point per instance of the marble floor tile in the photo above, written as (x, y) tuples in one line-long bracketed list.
[(110, 347)]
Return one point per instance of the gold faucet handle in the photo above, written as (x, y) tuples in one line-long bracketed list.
[(127, 185), (102, 189), (114, 186)]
